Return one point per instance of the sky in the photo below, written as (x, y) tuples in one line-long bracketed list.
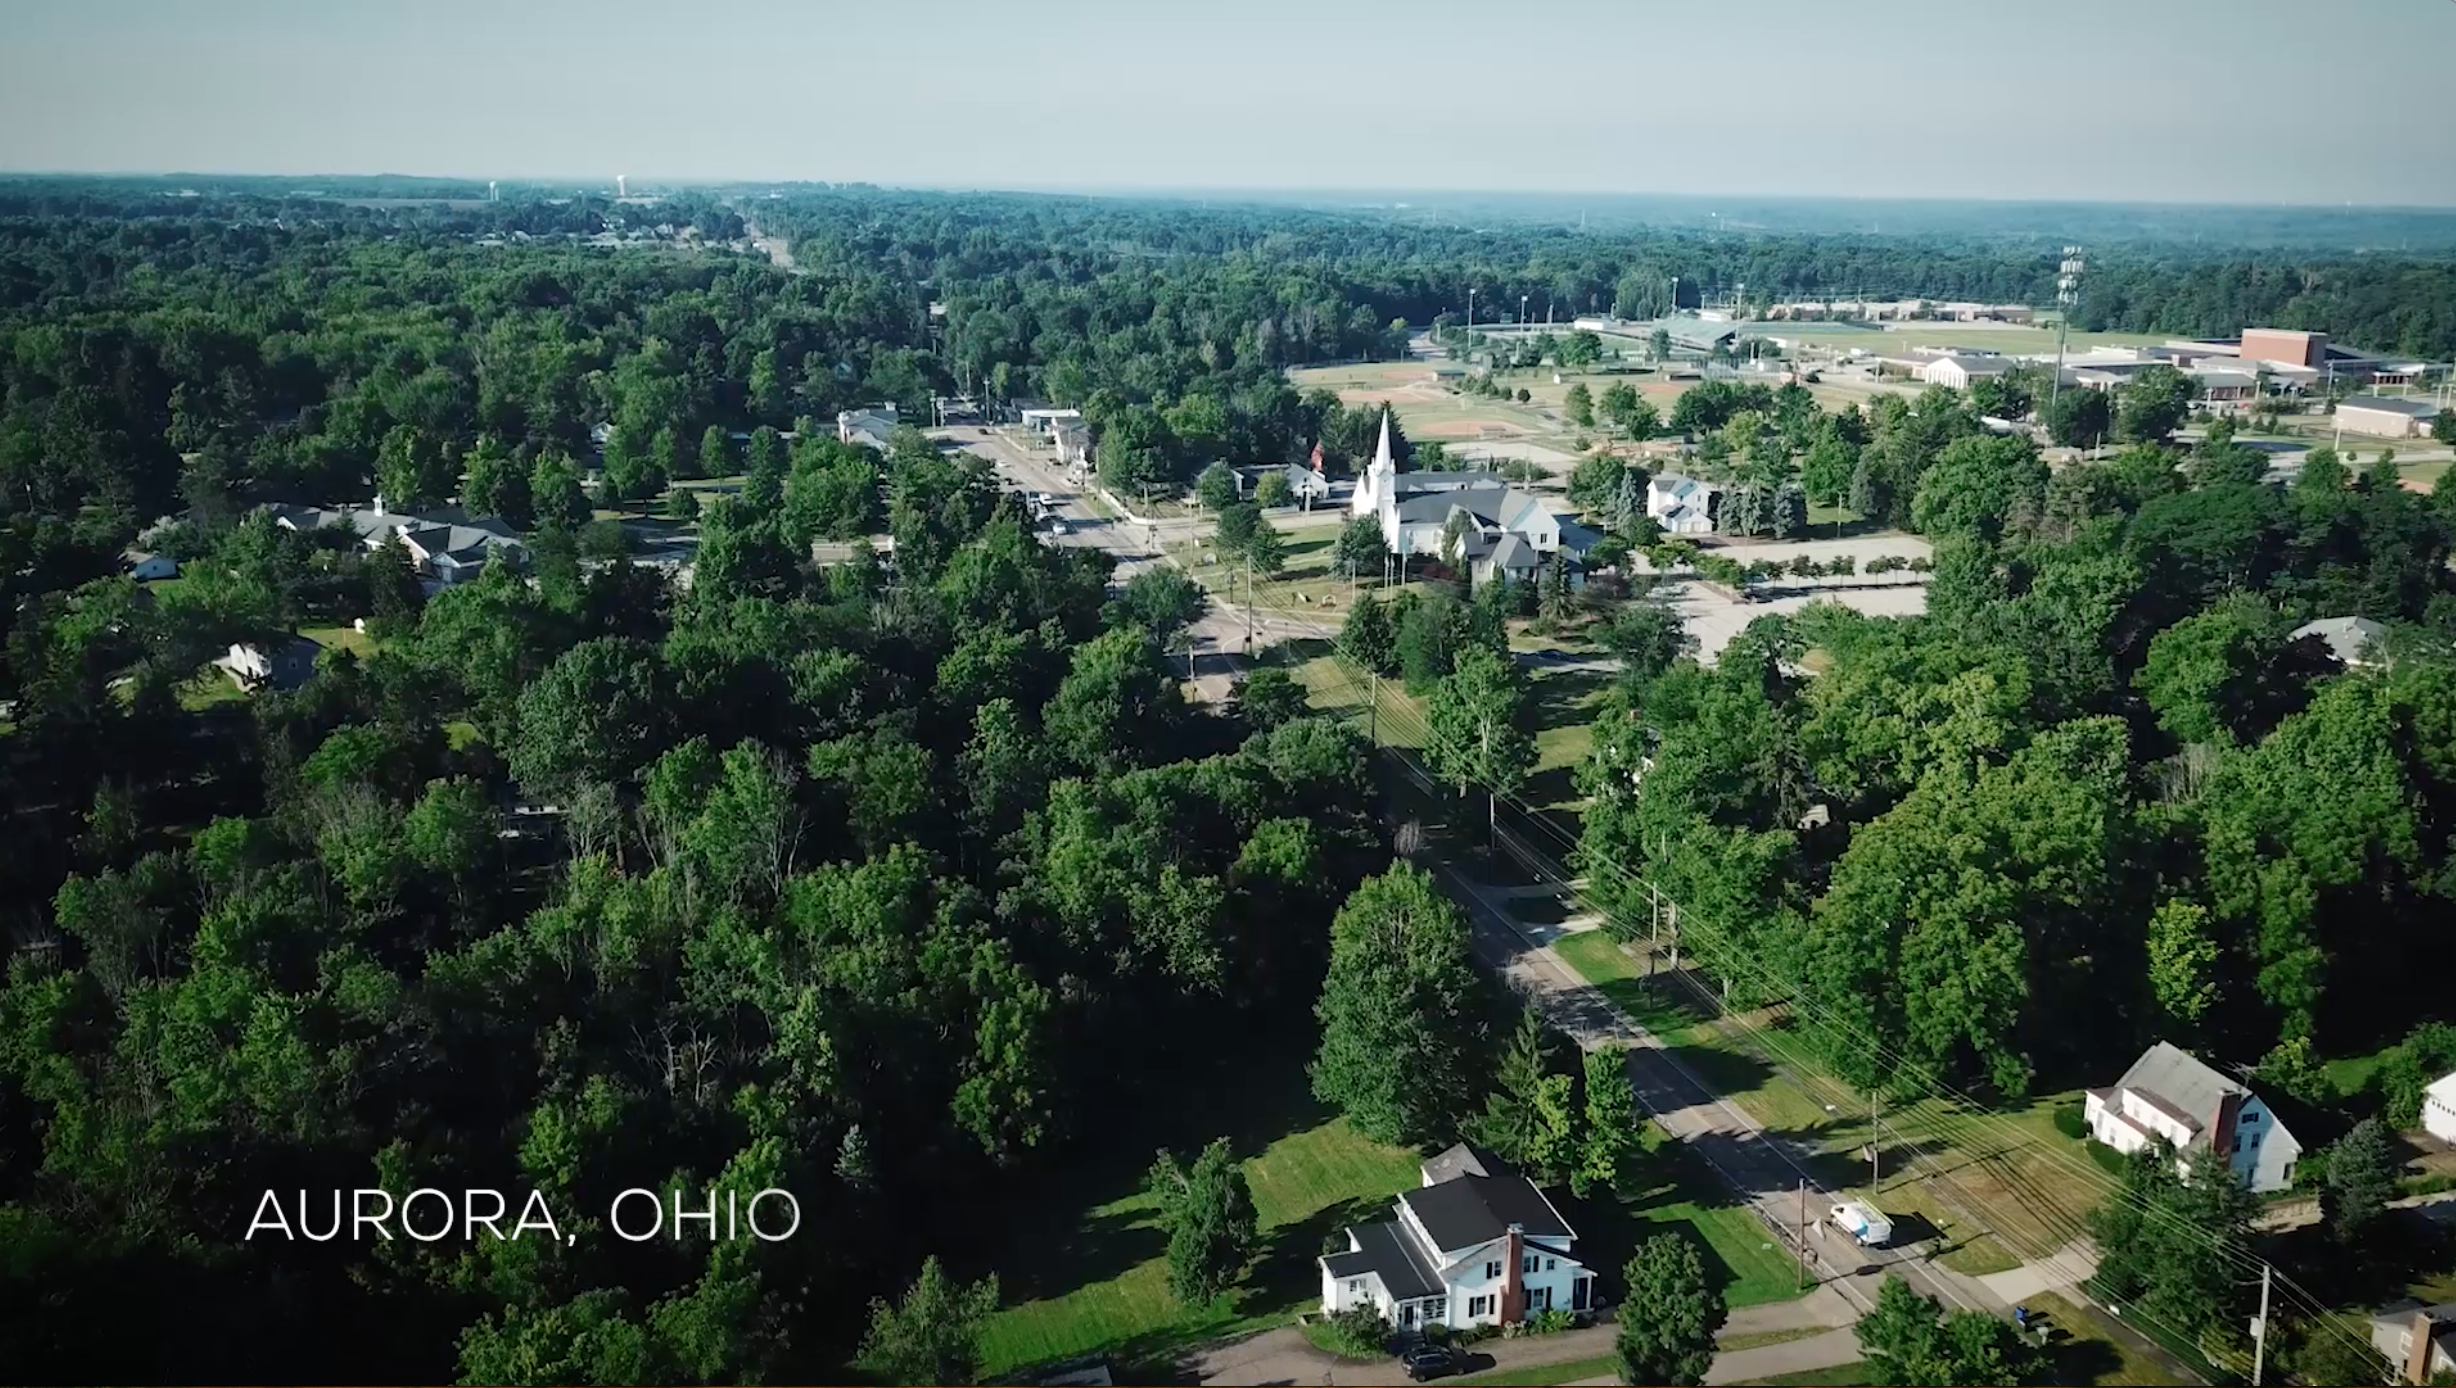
[(2259, 101)]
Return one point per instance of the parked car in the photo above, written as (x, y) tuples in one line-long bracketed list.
[(1866, 1224), (1427, 1362)]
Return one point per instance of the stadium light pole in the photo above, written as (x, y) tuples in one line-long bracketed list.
[(2067, 294)]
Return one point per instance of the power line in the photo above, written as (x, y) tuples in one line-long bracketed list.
[(2049, 1214)]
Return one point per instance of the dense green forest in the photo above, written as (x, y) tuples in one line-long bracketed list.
[(886, 883)]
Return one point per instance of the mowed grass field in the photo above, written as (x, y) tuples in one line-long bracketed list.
[(1085, 1268), (1305, 1184)]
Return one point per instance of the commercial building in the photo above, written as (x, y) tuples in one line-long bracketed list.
[(1958, 369), (2383, 417)]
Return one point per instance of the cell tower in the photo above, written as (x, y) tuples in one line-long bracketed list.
[(2067, 294)]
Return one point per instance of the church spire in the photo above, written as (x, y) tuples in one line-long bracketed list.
[(1381, 451)]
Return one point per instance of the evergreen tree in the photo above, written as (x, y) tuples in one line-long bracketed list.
[(1359, 551), (1368, 638), (1209, 1215), (1668, 1317), (394, 597), (2360, 1180)]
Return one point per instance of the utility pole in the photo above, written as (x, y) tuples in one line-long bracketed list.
[(1372, 715), (2259, 1331), (1803, 1233), (1876, 1141)]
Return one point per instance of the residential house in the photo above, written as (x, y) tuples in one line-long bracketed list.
[(1475, 1244), (2170, 1097), (289, 664), (2385, 417), (2439, 1109), (444, 545), (870, 427), (1958, 369), (1307, 487), (2352, 640), (2419, 1340), (1074, 443), (145, 566), (1683, 505)]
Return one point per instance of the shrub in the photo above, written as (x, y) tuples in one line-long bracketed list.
[(2070, 1122), (1550, 1322), (1359, 1332), (2115, 1163)]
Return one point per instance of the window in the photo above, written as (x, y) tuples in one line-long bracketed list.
[(1551, 1263), (1528, 1264), (1355, 1284), (1478, 1305), (1492, 1270), (2238, 1142)]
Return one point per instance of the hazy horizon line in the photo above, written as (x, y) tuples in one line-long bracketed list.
[(1197, 191)]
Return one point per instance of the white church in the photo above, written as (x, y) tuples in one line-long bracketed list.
[(1508, 531)]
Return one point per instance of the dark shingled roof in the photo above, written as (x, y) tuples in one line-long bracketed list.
[(1383, 1250), (1476, 1209)]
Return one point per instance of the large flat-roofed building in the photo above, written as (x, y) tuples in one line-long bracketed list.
[(2284, 345), (2386, 418)]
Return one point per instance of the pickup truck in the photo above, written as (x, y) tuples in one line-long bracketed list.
[(1866, 1224)]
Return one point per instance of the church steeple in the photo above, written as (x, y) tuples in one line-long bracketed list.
[(1378, 483)]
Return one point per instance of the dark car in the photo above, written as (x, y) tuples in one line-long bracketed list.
[(1429, 1362)]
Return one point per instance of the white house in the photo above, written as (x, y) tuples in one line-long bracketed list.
[(1683, 505), (288, 665), (2439, 1109), (1958, 370), (2168, 1096), (1476, 1244), (2418, 1341), (2353, 641), (145, 566), (871, 427)]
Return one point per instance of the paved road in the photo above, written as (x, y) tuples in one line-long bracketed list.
[(1767, 1172), (1286, 1356)]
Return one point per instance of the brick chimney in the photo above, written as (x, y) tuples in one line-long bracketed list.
[(2221, 1128), (2417, 1361), (1513, 1276)]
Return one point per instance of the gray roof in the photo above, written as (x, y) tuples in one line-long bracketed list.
[(1469, 1210), (2345, 637), (1462, 1159), (1385, 1250), (2182, 1083), (2388, 404), (1417, 483), (1511, 552)]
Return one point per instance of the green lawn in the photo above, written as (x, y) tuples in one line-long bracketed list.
[(2085, 1350), (1105, 1273), (1676, 1192), (1839, 1376), (208, 687), (1987, 1193), (350, 639), (1567, 1371)]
